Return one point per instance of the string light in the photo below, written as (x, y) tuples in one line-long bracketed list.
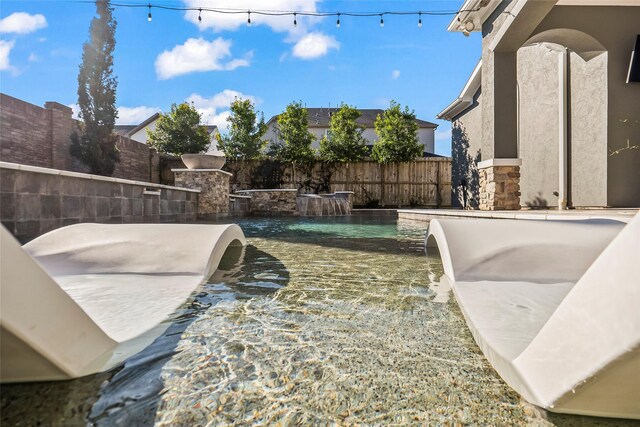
[(229, 11)]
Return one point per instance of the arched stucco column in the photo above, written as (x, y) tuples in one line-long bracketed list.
[(510, 26)]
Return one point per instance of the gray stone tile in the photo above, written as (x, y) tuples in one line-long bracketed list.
[(74, 186), (88, 208), (7, 180), (7, 206), (115, 206), (9, 225), (27, 207), (71, 207), (137, 207), (29, 183), (50, 207), (103, 207), (27, 230)]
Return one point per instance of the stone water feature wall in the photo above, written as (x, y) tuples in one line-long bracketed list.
[(36, 200), (283, 202), (272, 201), (213, 185)]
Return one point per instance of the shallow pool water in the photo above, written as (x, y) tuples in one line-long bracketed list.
[(315, 322)]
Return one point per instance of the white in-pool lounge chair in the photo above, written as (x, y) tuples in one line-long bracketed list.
[(83, 298), (554, 306)]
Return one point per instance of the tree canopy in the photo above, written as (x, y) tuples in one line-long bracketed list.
[(244, 140), (398, 136), (96, 144), (295, 140), (179, 132), (344, 141)]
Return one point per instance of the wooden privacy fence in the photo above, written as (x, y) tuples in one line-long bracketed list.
[(424, 182)]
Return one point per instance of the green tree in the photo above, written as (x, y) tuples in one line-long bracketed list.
[(398, 136), (179, 132), (96, 144), (344, 143), (295, 140), (244, 140)]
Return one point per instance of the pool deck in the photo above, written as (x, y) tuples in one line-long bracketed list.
[(619, 214)]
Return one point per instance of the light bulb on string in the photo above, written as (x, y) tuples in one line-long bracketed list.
[(295, 21), (419, 19), (149, 15), (381, 21), (338, 22), (248, 18), (199, 15)]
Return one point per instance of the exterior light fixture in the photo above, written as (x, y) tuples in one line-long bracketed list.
[(199, 15), (381, 21), (467, 27), (295, 21), (149, 15), (419, 19), (248, 18), (338, 22)]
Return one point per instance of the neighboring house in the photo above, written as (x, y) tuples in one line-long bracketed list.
[(318, 120), (547, 117), (139, 132)]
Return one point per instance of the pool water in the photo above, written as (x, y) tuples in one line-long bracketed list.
[(316, 321)]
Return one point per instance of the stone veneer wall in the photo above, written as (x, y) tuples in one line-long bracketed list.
[(36, 200), (36, 136), (273, 202), (213, 185), (499, 188)]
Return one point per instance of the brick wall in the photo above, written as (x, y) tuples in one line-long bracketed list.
[(36, 200), (32, 135)]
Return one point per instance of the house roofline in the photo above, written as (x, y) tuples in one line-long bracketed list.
[(142, 125), (465, 99)]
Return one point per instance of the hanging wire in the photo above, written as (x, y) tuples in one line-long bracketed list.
[(229, 11)]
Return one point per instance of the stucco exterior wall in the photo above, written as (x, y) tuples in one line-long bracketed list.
[(616, 29), (466, 147)]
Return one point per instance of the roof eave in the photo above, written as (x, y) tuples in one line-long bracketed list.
[(476, 11), (465, 99)]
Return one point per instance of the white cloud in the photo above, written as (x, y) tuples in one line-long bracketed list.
[(198, 55), (215, 110), (395, 74), (33, 57), (22, 23), (135, 115), (314, 45), (230, 22), (5, 50)]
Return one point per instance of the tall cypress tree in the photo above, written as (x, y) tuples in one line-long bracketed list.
[(96, 146)]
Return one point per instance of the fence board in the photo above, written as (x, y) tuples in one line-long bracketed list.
[(424, 182)]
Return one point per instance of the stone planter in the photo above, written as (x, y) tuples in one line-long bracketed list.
[(203, 161)]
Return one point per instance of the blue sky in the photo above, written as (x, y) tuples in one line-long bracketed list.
[(175, 58)]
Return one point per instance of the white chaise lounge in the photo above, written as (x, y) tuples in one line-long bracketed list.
[(554, 306), (83, 298)]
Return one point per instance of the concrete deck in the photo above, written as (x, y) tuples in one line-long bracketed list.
[(619, 214)]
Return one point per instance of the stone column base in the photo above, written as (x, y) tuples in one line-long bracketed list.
[(213, 184), (499, 184)]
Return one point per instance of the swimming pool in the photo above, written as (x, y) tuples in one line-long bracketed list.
[(317, 321)]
